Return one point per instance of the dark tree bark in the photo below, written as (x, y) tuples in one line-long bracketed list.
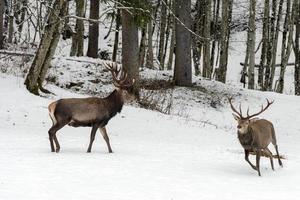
[(2, 5), (78, 36), (149, 56), (93, 30), (183, 71), (116, 42), (225, 32), (130, 48), (296, 15), (207, 65), (162, 33)]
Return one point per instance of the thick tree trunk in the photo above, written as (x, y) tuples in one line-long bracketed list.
[(46, 48), (251, 32), (78, 36), (93, 30), (183, 71), (130, 48)]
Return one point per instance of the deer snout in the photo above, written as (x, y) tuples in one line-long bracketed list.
[(239, 126)]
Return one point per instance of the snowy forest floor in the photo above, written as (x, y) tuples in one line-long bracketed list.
[(193, 153)]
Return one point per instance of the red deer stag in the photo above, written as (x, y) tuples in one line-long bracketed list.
[(255, 135), (92, 112)]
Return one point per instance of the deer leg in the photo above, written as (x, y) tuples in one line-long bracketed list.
[(106, 138), (247, 159), (269, 153), (279, 160), (52, 136), (93, 133), (258, 154), (56, 143)]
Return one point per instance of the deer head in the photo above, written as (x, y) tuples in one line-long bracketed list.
[(123, 84), (243, 122)]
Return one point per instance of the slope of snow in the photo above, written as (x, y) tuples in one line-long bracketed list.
[(155, 156)]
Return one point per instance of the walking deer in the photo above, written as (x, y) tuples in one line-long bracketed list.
[(255, 135), (93, 111)]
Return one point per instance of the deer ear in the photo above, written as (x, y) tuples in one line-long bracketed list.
[(235, 117)]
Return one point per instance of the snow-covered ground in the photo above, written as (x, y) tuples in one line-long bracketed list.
[(155, 156)]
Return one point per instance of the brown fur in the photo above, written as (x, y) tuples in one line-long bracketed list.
[(79, 112)]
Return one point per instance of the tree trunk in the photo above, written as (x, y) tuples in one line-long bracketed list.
[(183, 71), (207, 67), (162, 33), (78, 36), (265, 44), (286, 46), (142, 50), (279, 15), (130, 48), (198, 25), (251, 32), (173, 33), (225, 31), (270, 46), (215, 30), (116, 42), (296, 15), (93, 30), (11, 22), (2, 6), (149, 57), (46, 48)]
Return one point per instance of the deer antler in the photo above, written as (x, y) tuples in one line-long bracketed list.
[(121, 81), (240, 114), (262, 109)]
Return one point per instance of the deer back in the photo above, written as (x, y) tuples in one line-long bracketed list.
[(262, 131)]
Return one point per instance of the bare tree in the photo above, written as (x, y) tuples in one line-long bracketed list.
[(46, 48)]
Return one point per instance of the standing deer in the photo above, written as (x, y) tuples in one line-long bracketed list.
[(92, 112), (255, 135)]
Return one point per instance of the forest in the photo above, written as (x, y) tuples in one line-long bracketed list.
[(193, 76)]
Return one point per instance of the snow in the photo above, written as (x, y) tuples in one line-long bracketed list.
[(156, 156)]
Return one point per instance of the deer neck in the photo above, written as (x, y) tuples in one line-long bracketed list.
[(114, 102)]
